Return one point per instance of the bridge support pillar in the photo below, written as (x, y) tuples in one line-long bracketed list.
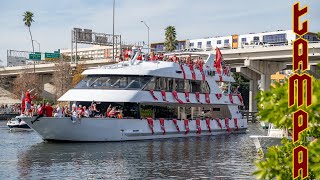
[(314, 70), (265, 69), (265, 82), (253, 89)]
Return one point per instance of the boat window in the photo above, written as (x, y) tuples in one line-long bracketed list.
[(114, 82), (195, 85), (167, 112), (179, 85), (146, 111), (205, 87)]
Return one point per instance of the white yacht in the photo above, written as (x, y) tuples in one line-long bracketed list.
[(157, 99)]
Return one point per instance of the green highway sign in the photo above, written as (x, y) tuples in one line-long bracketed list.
[(51, 56), (35, 56)]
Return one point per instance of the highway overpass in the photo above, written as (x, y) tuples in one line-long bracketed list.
[(254, 63)]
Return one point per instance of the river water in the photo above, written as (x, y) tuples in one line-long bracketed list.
[(24, 155)]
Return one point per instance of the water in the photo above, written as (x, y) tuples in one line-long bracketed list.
[(23, 155)]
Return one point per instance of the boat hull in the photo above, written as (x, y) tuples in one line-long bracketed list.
[(108, 129)]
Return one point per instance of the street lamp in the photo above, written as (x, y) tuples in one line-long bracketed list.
[(37, 43), (148, 35), (113, 31)]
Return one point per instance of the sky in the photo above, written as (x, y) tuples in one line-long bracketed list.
[(54, 20)]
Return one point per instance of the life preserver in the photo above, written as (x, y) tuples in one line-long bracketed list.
[(150, 122), (186, 125), (198, 126), (162, 125), (176, 124)]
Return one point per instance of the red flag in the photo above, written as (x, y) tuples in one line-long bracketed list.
[(217, 63)]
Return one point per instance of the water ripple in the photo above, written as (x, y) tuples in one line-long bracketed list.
[(24, 155)]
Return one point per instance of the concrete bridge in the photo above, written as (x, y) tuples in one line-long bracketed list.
[(259, 63), (254, 63)]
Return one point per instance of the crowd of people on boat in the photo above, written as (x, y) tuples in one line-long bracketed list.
[(187, 60)]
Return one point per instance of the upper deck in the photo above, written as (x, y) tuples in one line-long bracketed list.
[(164, 69)]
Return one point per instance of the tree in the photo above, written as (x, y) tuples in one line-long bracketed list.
[(28, 19), (319, 35), (170, 42), (62, 77), (77, 77), (244, 87), (273, 108), (27, 81)]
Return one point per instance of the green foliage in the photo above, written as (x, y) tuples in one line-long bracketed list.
[(319, 35), (273, 108), (244, 87), (28, 18), (170, 42)]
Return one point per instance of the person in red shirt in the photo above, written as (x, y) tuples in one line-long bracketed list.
[(41, 111), (139, 58), (160, 57), (28, 99), (49, 110)]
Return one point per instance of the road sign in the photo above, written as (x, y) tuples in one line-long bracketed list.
[(35, 56), (52, 56)]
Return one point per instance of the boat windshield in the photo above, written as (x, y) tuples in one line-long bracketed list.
[(113, 82)]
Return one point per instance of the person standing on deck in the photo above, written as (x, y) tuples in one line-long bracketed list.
[(49, 110), (28, 99)]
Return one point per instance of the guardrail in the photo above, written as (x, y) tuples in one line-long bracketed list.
[(250, 116)]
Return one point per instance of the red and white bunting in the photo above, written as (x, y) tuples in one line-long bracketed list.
[(152, 94), (164, 95), (208, 124), (175, 95), (182, 69), (198, 126), (186, 94), (220, 77), (236, 124), (161, 120), (240, 98), (218, 96), (227, 124), (207, 96), (226, 71), (192, 72), (231, 98), (176, 124), (202, 73), (198, 97), (150, 122), (219, 123), (186, 125)]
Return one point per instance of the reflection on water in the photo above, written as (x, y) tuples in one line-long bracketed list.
[(228, 157)]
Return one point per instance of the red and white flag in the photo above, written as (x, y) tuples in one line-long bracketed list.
[(219, 63)]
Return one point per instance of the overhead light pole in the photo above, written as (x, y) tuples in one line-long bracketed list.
[(148, 35), (38, 44), (113, 58)]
